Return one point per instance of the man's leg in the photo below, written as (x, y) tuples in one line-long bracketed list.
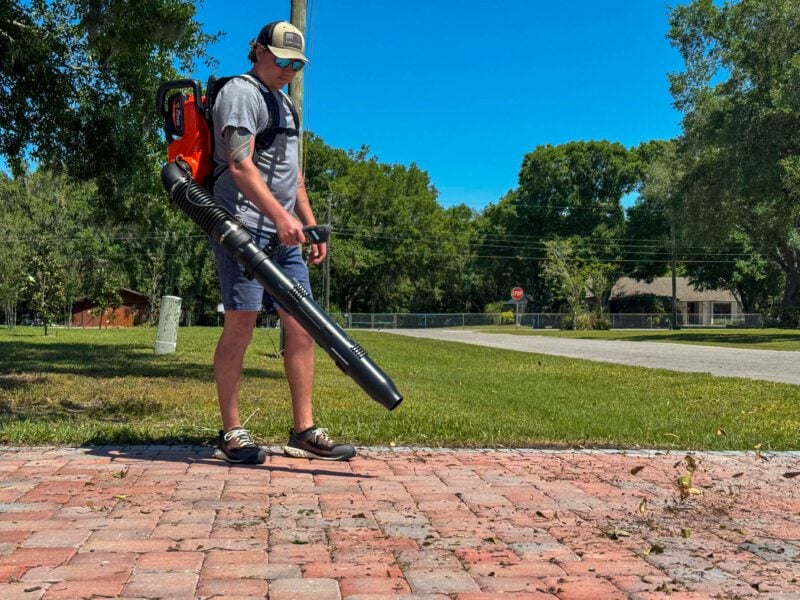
[(228, 359), (305, 440), (298, 362), (235, 444)]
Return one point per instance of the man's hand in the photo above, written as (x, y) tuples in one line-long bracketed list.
[(317, 253), (289, 230)]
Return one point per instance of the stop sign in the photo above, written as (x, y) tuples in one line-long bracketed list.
[(517, 293)]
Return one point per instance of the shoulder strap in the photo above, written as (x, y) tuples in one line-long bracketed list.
[(265, 138), (292, 109)]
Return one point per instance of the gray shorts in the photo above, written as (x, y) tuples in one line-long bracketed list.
[(241, 293)]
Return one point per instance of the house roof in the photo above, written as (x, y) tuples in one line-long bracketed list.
[(662, 286)]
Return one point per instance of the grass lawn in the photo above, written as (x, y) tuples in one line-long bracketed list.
[(90, 386), (755, 339)]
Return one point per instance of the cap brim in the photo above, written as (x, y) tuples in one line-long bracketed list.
[(288, 53)]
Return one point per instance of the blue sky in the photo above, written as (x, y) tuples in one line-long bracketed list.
[(465, 88)]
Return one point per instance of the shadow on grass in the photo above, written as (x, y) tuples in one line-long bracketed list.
[(90, 360), (701, 337), (204, 455), (107, 411)]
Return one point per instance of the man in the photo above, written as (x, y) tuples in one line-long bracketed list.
[(260, 183)]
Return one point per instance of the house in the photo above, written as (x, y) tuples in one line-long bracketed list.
[(133, 309), (696, 307)]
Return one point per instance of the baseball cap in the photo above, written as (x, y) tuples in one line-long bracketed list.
[(283, 39)]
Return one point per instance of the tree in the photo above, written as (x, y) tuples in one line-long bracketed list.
[(54, 224), (77, 83), (575, 279), (740, 148), (728, 261), (571, 190), (393, 247), (563, 273), (12, 267)]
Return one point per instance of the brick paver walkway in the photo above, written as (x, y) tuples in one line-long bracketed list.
[(171, 522)]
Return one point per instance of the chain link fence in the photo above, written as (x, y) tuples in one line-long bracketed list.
[(538, 320)]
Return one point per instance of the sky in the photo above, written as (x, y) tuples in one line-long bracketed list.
[(466, 88)]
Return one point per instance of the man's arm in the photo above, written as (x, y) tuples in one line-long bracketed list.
[(245, 174), (303, 210)]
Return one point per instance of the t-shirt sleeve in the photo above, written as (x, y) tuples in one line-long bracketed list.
[(239, 104)]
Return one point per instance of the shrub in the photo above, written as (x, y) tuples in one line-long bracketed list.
[(584, 321), (602, 323), (507, 318)]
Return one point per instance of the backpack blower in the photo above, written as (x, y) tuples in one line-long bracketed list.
[(187, 119)]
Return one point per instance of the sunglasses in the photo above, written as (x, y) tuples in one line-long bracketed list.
[(284, 63)]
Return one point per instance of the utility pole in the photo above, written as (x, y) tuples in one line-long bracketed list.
[(328, 263), (298, 19), (674, 276)]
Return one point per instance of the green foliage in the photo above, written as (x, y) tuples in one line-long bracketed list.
[(583, 321), (647, 226), (77, 79), (12, 268), (563, 272), (393, 247), (507, 317), (738, 185), (574, 275), (567, 191), (52, 216)]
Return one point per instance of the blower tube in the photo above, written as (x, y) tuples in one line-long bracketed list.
[(352, 359)]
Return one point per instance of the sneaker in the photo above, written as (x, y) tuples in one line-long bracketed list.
[(316, 443), (237, 446)]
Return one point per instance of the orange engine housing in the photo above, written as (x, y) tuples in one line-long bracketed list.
[(191, 140)]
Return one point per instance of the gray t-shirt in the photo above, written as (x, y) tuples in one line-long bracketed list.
[(240, 104)]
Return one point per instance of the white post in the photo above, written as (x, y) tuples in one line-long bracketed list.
[(168, 317)]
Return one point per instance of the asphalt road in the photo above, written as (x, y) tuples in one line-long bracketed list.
[(769, 365)]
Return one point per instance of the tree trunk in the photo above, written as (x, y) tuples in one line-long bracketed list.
[(789, 261), (11, 315), (791, 293)]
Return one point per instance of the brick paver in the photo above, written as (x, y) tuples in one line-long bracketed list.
[(172, 522)]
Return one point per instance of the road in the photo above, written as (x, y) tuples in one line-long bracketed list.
[(768, 365)]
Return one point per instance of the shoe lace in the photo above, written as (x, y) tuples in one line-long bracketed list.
[(321, 436), (242, 437)]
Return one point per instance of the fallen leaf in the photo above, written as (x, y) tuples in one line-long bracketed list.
[(616, 534), (121, 496), (636, 470), (642, 506), (791, 474), (691, 463), (686, 532), (721, 431)]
